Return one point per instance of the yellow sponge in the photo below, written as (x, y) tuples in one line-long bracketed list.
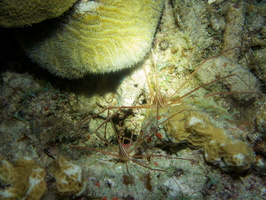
[(195, 128), (68, 176), (16, 13), (23, 179), (98, 37)]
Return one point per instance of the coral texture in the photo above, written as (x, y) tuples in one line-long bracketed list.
[(99, 37), (23, 179), (18, 13), (195, 128), (243, 80)]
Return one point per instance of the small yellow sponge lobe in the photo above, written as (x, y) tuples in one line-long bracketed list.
[(17, 13), (195, 128), (99, 37), (23, 179), (68, 176)]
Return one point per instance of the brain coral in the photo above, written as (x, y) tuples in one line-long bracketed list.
[(98, 37), (18, 13)]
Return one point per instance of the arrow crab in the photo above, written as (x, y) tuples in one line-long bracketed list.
[(142, 144)]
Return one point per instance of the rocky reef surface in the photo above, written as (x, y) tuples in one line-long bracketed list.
[(45, 120)]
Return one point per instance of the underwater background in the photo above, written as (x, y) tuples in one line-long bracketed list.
[(53, 104)]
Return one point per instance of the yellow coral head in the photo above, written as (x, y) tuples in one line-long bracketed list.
[(17, 13), (98, 37)]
